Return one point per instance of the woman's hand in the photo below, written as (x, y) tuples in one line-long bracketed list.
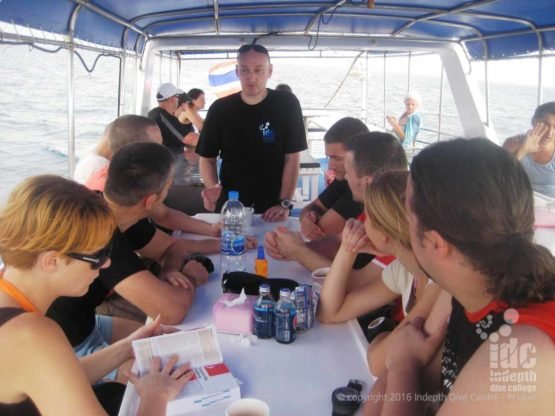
[(533, 138), (392, 120), (151, 329), (250, 242), (354, 238), (162, 384)]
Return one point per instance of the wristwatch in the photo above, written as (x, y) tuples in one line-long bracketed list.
[(285, 203)]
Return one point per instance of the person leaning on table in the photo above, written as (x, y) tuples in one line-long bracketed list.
[(53, 238), (139, 177)]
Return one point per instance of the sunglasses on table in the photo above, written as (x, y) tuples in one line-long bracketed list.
[(96, 260)]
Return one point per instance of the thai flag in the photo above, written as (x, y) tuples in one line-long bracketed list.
[(223, 79)]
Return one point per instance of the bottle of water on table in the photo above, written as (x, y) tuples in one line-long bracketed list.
[(232, 252), (285, 318), (264, 317)]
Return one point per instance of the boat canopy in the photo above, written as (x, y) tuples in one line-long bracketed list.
[(458, 31), (486, 29)]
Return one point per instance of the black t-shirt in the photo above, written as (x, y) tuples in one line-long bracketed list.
[(76, 316), (338, 196), (172, 129), (462, 340), (252, 141)]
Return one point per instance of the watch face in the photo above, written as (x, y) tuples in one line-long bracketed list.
[(285, 203)]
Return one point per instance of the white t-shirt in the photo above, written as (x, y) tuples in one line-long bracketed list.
[(399, 280), (88, 165)]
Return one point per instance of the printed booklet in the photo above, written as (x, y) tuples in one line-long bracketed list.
[(212, 386)]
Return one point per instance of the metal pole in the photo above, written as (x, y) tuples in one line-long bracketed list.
[(71, 110), (408, 72), (384, 96), (71, 92), (135, 68), (121, 86), (365, 90), (540, 77), (440, 115), (486, 77), (160, 72), (178, 68)]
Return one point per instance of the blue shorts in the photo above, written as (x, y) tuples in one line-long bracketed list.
[(98, 339)]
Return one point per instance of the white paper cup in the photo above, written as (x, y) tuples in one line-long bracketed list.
[(249, 214), (320, 274), (248, 407)]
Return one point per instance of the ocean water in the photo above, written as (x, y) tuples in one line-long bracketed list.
[(33, 99)]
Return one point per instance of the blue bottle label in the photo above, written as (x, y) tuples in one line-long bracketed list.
[(231, 244), (285, 325), (264, 320)]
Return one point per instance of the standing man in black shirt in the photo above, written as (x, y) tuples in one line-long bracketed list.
[(259, 134)]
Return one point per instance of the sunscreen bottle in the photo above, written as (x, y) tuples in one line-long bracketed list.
[(261, 264)]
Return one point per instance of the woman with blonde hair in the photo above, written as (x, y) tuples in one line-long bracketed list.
[(384, 231), (54, 236)]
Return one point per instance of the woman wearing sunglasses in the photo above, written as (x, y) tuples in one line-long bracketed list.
[(53, 238)]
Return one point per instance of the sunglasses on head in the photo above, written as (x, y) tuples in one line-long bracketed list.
[(257, 48), (96, 260)]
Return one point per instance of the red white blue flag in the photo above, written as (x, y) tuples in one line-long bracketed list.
[(223, 80)]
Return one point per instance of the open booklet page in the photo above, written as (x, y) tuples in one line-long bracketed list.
[(198, 347), (212, 386)]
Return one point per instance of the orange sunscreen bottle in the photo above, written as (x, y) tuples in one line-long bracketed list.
[(261, 264)]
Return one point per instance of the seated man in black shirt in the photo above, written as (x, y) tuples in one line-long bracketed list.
[(139, 177), (366, 155), (327, 214)]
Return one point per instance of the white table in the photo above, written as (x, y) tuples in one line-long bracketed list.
[(294, 379)]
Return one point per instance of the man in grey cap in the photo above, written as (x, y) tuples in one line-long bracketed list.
[(175, 135)]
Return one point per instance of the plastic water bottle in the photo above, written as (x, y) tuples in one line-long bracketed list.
[(232, 252), (264, 318), (285, 318)]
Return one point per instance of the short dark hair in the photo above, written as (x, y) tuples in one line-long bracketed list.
[(376, 152), (257, 48), (183, 98), (138, 170), (478, 197), (194, 93), (343, 129), (546, 109), (127, 129), (284, 87)]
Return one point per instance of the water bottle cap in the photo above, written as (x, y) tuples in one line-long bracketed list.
[(233, 195), (260, 254), (284, 292), (264, 288)]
